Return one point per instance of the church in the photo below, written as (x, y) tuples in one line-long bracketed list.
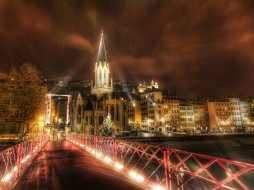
[(89, 109), (101, 84)]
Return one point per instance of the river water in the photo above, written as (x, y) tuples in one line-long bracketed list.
[(235, 148)]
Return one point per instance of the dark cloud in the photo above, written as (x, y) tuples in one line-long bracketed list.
[(197, 47)]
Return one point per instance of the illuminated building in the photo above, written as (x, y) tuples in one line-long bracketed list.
[(90, 109), (225, 115), (153, 114), (133, 109), (143, 87), (236, 113), (186, 118), (172, 121), (199, 116), (220, 116), (101, 84), (246, 115), (13, 121)]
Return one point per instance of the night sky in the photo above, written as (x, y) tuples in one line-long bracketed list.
[(198, 47)]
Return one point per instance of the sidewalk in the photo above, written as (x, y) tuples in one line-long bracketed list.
[(62, 165)]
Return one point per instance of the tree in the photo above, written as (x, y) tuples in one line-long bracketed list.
[(107, 128), (28, 92), (5, 96)]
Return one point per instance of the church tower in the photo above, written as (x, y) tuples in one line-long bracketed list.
[(101, 84)]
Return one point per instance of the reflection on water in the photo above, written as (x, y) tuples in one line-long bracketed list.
[(236, 148)]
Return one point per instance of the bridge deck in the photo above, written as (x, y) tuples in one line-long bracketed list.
[(62, 165)]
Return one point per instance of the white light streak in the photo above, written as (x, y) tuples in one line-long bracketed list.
[(136, 176), (158, 188), (7, 177), (119, 166), (15, 169), (107, 159)]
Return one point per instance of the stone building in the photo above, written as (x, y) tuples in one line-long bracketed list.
[(90, 109), (172, 106), (101, 85), (200, 117), (14, 121), (133, 109), (220, 116), (226, 115), (153, 111), (187, 118), (246, 115)]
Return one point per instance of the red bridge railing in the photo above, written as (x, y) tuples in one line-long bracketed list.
[(161, 168), (15, 160)]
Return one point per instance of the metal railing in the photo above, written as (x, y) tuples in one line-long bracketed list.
[(166, 168), (15, 160)]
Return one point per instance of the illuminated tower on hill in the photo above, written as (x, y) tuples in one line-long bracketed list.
[(101, 84)]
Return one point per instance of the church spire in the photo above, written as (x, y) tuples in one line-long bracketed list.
[(102, 52)]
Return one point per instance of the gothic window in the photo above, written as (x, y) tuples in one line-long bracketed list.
[(91, 120), (117, 113), (100, 78), (112, 113), (79, 114), (105, 78), (100, 120)]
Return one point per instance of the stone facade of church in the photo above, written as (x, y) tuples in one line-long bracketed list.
[(90, 109)]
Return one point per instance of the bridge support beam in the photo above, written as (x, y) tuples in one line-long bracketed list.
[(48, 109), (167, 170)]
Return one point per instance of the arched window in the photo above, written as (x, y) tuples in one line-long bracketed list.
[(112, 112), (100, 120), (105, 78), (79, 114), (100, 78), (117, 113)]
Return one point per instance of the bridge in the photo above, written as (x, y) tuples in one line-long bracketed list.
[(96, 162)]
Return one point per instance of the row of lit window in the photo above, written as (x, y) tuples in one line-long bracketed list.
[(186, 119), (186, 113), (186, 108)]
